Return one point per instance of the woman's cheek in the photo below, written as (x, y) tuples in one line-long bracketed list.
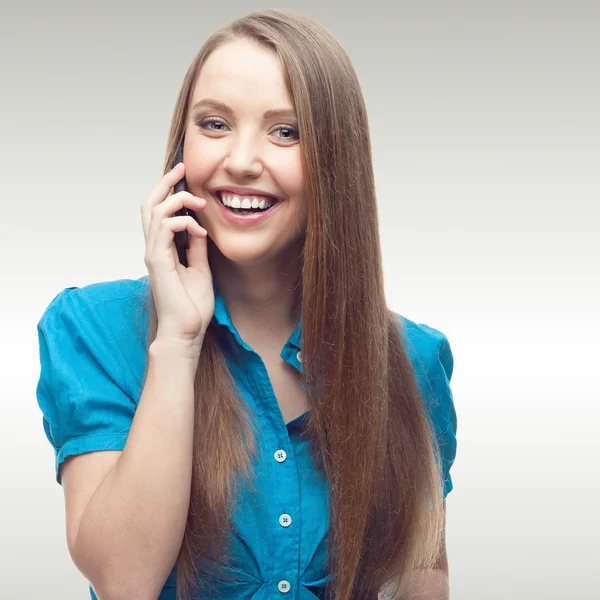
[(199, 169), (290, 176)]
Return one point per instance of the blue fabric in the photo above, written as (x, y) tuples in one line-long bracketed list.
[(92, 358)]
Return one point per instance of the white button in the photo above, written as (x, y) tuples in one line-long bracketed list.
[(280, 455), (284, 586), (299, 356), (285, 520)]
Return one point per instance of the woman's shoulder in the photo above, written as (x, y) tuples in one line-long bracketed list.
[(424, 342), (430, 353), (81, 299), (105, 320)]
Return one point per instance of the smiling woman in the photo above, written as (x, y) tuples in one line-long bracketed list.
[(274, 428)]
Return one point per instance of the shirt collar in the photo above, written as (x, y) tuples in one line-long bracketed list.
[(222, 317)]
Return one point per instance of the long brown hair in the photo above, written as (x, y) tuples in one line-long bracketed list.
[(369, 429)]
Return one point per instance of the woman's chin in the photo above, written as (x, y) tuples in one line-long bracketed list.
[(244, 252)]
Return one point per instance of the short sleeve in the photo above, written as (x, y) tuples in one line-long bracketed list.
[(432, 357), (80, 389), (441, 407)]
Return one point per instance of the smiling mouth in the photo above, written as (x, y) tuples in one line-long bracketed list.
[(245, 205)]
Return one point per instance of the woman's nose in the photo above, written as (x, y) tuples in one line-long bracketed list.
[(243, 160)]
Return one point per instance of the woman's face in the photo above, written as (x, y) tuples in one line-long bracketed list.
[(241, 145)]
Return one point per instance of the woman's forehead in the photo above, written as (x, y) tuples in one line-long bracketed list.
[(242, 72), (243, 60)]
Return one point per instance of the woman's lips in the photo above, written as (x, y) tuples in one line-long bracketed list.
[(244, 219)]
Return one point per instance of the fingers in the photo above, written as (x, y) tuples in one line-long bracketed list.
[(169, 179), (197, 254), (160, 251), (160, 221), (160, 192), (170, 206)]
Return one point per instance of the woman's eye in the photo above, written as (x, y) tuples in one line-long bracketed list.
[(212, 124), (288, 132)]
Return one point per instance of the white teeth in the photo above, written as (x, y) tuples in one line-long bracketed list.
[(246, 202)]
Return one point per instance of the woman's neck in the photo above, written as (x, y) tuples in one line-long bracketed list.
[(262, 300)]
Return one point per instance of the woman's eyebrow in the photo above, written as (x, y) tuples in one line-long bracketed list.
[(280, 113), (210, 103), (288, 113)]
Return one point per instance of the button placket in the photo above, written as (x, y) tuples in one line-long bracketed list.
[(288, 503), (283, 481)]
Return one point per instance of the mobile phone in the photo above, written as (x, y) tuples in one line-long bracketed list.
[(182, 238)]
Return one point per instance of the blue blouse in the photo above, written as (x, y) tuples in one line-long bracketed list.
[(92, 358)]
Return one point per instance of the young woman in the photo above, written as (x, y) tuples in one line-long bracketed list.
[(258, 423)]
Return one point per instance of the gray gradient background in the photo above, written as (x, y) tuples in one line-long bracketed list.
[(485, 132)]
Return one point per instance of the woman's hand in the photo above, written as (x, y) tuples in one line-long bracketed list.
[(183, 296)]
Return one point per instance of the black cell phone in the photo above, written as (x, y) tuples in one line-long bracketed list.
[(182, 238)]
